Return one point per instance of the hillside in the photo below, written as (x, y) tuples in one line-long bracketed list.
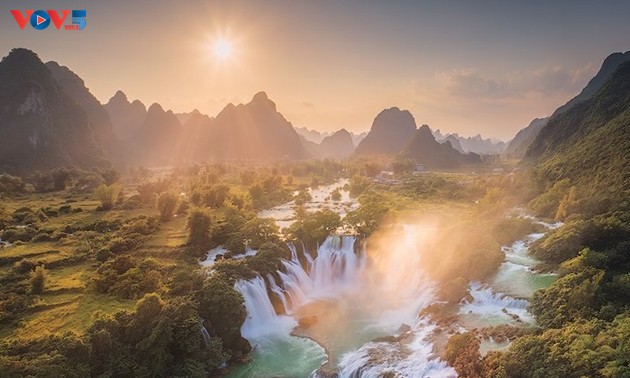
[(46, 127), (74, 87), (336, 146), (609, 66), (589, 143), (517, 146)]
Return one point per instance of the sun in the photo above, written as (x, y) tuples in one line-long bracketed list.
[(222, 49)]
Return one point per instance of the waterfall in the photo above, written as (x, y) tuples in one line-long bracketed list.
[(205, 335), (336, 269), (487, 303), (357, 283), (484, 296), (261, 318)]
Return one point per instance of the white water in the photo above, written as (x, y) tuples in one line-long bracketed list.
[(211, 257), (489, 308), (365, 301), (498, 301), (376, 359), (284, 215)]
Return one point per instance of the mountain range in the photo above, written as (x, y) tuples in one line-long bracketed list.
[(317, 136), (476, 144), (424, 149), (394, 133), (52, 119)]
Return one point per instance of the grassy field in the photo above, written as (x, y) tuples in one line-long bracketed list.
[(69, 303)]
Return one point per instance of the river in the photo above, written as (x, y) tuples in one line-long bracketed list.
[(364, 318)]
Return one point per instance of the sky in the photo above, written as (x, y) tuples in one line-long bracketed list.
[(469, 67)]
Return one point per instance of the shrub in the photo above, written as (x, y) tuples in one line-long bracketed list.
[(23, 234), (110, 176), (358, 185), (42, 182), (108, 195), (5, 217), (11, 185), (24, 216), (124, 244), (402, 166), (462, 352), (39, 276), (60, 177), (24, 266), (335, 195)]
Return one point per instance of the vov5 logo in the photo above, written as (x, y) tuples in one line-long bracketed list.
[(41, 19)]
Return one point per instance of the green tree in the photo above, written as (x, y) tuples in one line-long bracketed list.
[(223, 307), (199, 222), (313, 228), (369, 216), (257, 231), (167, 203)]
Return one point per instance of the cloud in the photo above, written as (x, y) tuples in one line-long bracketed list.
[(546, 81)]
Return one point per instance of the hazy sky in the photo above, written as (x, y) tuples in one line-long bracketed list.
[(460, 66)]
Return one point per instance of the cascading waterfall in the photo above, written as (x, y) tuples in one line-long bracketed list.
[(487, 303), (336, 266), (379, 301), (261, 316)]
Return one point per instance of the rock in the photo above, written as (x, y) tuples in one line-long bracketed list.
[(386, 339), (307, 321), (404, 328), (327, 371)]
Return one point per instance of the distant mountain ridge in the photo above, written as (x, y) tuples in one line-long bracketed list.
[(476, 144), (255, 130), (317, 136), (424, 149), (339, 145)]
